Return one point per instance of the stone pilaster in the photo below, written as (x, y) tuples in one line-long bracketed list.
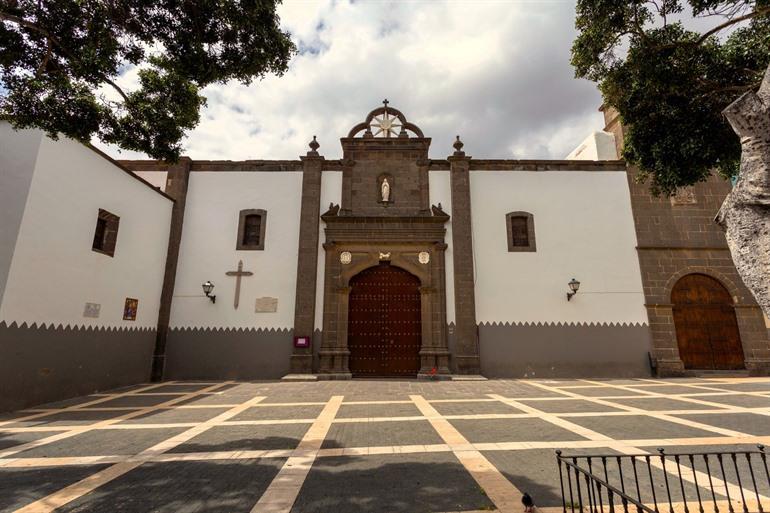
[(307, 259), (466, 355), (177, 180)]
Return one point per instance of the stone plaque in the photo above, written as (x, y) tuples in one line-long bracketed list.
[(266, 305), (345, 257), (423, 257), (92, 310), (684, 196)]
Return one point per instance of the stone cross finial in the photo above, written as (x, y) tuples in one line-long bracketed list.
[(313, 148), (385, 102)]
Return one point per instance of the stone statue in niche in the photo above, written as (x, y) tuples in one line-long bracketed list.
[(385, 190)]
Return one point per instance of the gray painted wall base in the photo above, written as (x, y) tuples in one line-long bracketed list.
[(564, 350), (45, 364), (243, 354)]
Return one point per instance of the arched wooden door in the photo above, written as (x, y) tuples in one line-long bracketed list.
[(384, 328), (706, 326)]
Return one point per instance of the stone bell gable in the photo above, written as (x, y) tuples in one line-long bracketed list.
[(385, 148)]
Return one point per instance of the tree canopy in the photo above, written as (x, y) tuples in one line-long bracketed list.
[(670, 82), (60, 61)]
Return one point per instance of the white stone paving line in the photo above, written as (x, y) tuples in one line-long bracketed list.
[(700, 386), (82, 429), (503, 494), (686, 474), (280, 495), (665, 416), (76, 490), (102, 398), (412, 418), (695, 400), (377, 450)]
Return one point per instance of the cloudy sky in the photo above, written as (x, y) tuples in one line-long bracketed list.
[(496, 72)]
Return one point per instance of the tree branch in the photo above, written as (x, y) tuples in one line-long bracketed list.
[(737, 89), (733, 21), (51, 41), (46, 57)]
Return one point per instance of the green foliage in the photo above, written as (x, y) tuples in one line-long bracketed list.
[(670, 84), (59, 61)]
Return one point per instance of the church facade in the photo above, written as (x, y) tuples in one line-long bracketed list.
[(384, 263)]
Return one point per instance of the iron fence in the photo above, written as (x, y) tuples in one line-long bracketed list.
[(726, 481)]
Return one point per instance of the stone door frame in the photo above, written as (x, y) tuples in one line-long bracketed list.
[(434, 352)]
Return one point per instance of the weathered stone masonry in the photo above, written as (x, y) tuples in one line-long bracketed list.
[(676, 237)]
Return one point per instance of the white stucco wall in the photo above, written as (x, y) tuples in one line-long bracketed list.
[(54, 271), (597, 146), (584, 229), (441, 192), (18, 153), (331, 192), (207, 251)]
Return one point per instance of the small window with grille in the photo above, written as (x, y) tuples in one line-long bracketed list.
[(521, 231), (251, 230)]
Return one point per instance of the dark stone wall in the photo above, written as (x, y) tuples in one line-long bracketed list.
[(231, 353), (45, 364), (678, 236), (540, 350)]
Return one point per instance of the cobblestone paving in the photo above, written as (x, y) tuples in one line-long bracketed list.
[(356, 446)]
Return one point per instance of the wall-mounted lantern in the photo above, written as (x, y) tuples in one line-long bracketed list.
[(574, 285), (207, 288)]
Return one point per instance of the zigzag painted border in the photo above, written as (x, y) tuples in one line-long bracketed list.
[(559, 324), (239, 329), (287, 330), (71, 327)]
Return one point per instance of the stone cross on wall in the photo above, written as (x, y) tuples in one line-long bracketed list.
[(240, 272)]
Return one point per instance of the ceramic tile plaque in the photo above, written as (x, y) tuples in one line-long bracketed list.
[(130, 308), (266, 305), (92, 310)]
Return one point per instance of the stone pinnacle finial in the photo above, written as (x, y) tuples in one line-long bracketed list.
[(458, 146), (313, 148)]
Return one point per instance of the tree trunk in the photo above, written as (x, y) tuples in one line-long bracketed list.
[(745, 213)]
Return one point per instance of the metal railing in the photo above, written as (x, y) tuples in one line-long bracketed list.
[(666, 483)]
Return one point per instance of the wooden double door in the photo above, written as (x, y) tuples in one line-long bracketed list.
[(706, 326), (384, 323)]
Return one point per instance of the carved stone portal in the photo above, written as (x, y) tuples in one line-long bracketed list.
[(334, 353), (385, 219)]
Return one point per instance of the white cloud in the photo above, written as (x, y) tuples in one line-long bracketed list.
[(495, 72)]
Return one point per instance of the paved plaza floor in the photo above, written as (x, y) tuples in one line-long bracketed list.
[(354, 446)]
